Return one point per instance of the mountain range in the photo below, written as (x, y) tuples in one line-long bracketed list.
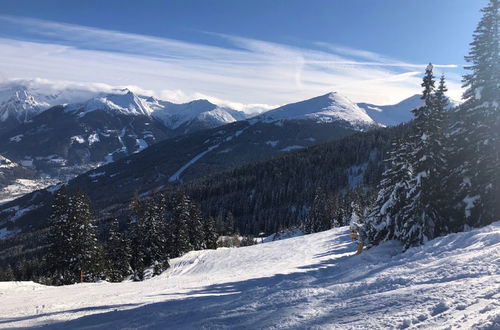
[(137, 144)]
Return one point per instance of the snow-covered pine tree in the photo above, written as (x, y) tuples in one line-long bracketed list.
[(181, 217), (85, 251), (210, 238), (195, 227), (59, 239), (440, 147), (154, 238), (117, 254), (422, 218), (475, 180), (149, 237), (136, 211), (383, 219)]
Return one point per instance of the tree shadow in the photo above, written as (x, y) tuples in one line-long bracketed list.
[(254, 303)]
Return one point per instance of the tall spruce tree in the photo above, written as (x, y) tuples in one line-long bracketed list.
[(475, 180), (85, 252), (137, 210), (73, 246), (383, 220), (149, 237), (195, 228), (180, 225), (422, 216), (210, 233), (58, 239), (117, 254)]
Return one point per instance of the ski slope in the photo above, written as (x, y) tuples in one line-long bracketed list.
[(311, 281)]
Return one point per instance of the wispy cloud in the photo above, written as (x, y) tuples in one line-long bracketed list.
[(248, 74)]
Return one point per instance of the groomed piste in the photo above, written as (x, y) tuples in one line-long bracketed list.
[(312, 281)]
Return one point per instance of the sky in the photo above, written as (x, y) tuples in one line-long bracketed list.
[(250, 55)]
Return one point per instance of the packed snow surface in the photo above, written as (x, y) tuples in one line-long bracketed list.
[(304, 282)]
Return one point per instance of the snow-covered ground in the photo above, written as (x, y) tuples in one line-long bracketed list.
[(23, 186), (311, 281)]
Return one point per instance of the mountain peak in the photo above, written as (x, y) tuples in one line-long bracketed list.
[(326, 108), (125, 102)]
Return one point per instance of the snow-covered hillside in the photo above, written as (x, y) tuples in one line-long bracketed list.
[(311, 281)]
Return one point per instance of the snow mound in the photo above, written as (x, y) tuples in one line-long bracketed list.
[(311, 281)]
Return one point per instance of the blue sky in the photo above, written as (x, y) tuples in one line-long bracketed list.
[(242, 53)]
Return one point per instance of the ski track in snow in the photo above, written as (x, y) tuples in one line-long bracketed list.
[(305, 282), (176, 176)]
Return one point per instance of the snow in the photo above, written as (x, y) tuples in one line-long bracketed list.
[(78, 139), (282, 235), (6, 163), (272, 143), (27, 162), (355, 174), (312, 281), (5, 233), (121, 101), (326, 108), (175, 115), (469, 204), (96, 175), (176, 176), (16, 138), (141, 144), (93, 138), (291, 148)]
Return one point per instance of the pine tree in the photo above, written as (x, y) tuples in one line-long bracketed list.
[(118, 254), (59, 239), (137, 263), (383, 221), (149, 237), (422, 217), (475, 179), (85, 251), (195, 227), (210, 239), (229, 224), (181, 217), (9, 274), (320, 215)]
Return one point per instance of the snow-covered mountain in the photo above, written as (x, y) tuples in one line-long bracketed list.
[(192, 116), (328, 108), (19, 102), (69, 139), (395, 114), (122, 102), (177, 159), (17, 106), (307, 282)]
